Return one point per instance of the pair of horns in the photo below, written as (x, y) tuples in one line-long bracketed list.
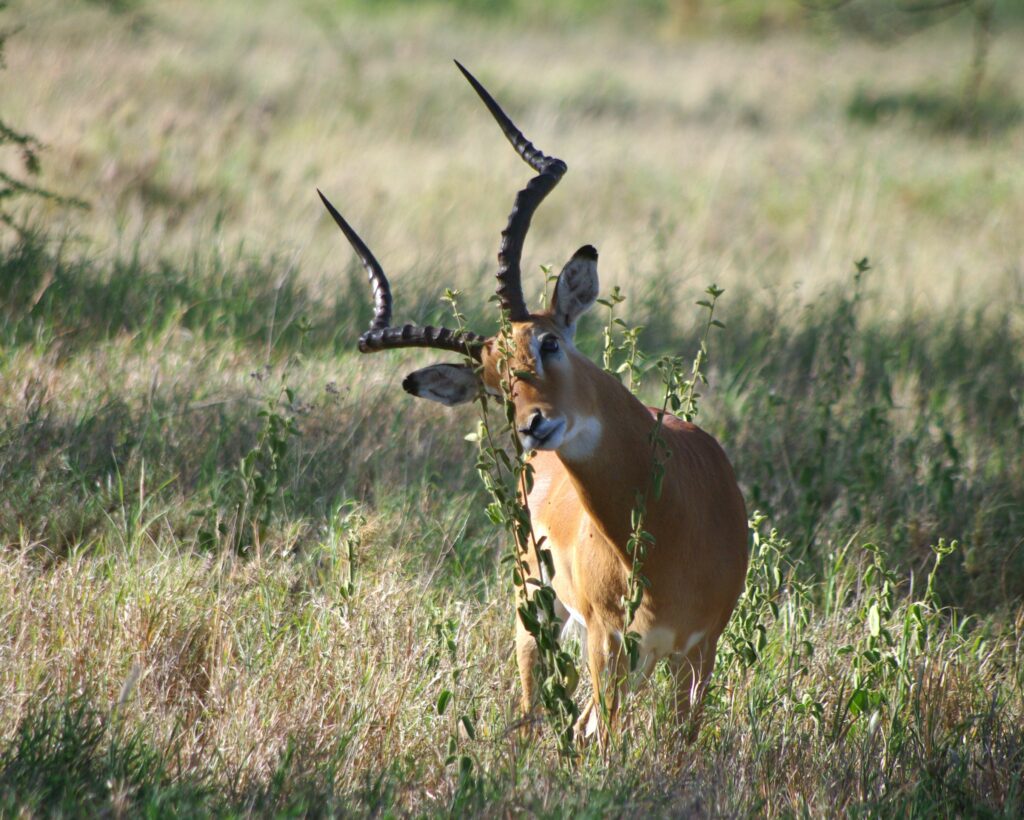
[(382, 335)]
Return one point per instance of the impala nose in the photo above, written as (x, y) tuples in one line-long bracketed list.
[(542, 433), (535, 425)]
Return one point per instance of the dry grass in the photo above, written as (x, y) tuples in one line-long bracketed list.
[(143, 671)]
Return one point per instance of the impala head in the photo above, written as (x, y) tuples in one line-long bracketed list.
[(534, 360), (537, 364)]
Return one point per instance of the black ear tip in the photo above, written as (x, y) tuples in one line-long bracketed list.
[(586, 252), (410, 384)]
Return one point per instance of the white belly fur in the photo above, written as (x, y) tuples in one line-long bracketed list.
[(574, 626)]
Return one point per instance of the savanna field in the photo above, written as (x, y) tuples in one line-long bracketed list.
[(242, 572)]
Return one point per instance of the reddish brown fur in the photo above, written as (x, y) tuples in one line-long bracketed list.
[(698, 562)]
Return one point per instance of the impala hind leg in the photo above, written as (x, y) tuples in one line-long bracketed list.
[(692, 672)]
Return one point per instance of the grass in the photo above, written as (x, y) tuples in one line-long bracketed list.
[(872, 668), (937, 110)]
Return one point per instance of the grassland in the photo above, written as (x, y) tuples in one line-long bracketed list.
[(174, 641)]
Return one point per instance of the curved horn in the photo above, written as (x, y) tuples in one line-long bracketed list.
[(382, 300), (549, 172), (442, 338), (381, 336)]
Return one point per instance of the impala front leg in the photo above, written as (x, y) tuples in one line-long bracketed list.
[(528, 654), (607, 672), (526, 659)]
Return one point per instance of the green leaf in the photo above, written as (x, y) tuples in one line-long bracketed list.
[(859, 702), (544, 598), (529, 620), (443, 700), (549, 562), (874, 621)]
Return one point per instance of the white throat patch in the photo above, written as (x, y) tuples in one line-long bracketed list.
[(581, 439)]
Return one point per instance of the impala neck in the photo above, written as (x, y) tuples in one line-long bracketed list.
[(609, 475)]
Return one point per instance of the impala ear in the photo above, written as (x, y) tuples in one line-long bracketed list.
[(449, 384), (576, 289)]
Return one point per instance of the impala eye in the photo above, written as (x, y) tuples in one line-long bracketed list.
[(549, 344)]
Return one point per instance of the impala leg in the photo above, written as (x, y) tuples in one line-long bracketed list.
[(526, 658), (607, 668), (692, 673)]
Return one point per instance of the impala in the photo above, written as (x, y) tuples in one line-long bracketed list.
[(591, 452)]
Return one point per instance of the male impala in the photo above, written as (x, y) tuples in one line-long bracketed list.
[(592, 453)]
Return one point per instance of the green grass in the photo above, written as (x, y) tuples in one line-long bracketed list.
[(937, 110), (293, 661)]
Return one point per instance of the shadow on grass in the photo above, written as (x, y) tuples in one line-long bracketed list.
[(843, 426), (62, 760), (259, 303), (68, 480), (904, 431), (993, 112), (69, 758)]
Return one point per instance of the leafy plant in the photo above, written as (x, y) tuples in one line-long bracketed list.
[(239, 519), (508, 478)]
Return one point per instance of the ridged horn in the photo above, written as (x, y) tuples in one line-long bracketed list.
[(549, 172), (381, 335)]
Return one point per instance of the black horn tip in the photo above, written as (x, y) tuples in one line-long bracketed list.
[(586, 252), (338, 218), (482, 92), (464, 70)]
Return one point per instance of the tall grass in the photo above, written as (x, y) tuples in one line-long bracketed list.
[(167, 671), (178, 637)]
